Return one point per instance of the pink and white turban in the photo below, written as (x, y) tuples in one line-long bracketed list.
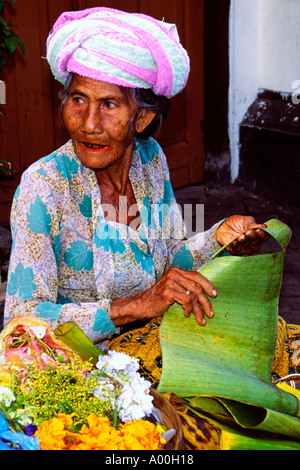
[(126, 49)]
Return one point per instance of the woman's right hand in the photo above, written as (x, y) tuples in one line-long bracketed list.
[(188, 288)]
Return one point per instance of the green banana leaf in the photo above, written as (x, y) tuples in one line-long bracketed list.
[(237, 441), (78, 341), (227, 364), (254, 417), (235, 437)]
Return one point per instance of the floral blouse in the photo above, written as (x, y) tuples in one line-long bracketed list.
[(68, 263)]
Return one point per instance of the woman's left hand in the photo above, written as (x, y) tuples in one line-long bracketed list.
[(248, 236)]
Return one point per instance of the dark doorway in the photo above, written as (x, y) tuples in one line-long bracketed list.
[(216, 72)]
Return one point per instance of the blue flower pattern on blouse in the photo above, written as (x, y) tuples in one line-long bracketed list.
[(39, 219), (49, 311), (184, 259), (78, 256), (86, 206), (101, 322), (66, 166), (21, 282), (108, 237), (142, 258)]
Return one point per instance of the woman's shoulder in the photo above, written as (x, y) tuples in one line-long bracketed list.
[(48, 178), (60, 162), (148, 149)]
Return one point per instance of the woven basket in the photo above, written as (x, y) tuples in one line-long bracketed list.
[(171, 420)]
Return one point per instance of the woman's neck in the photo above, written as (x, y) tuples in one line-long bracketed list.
[(117, 197)]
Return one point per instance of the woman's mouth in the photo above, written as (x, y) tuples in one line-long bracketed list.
[(93, 146)]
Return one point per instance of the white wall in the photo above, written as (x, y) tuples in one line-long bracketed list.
[(280, 44), (264, 52), (243, 66)]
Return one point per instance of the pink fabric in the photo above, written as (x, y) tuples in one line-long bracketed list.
[(96, 75), (70, 49), (144, 74)]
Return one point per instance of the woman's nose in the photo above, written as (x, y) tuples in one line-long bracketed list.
[(92, 120)]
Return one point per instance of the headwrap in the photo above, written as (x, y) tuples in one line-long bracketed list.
[(126, 49)]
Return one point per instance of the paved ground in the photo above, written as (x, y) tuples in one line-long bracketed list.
[(221, 201)]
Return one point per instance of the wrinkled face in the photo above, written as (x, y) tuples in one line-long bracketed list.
[(101, 122)]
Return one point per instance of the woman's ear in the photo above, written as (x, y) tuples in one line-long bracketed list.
[(143, 119)]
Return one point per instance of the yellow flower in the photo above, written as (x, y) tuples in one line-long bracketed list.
[(52, 433), (142, 435), (98, 434)]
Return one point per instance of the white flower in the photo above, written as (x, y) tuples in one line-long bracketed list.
[(117, 362), (102, 362), (132, 391), (39, 331), (6, 396), (105, 390), (23, 417), (121, 361), (134, 401)]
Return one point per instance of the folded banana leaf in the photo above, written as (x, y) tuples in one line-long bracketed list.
[(237, 441), (227, 364), (78, 341), (244, 427)]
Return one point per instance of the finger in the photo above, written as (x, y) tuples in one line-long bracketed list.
[(246, 250), (250, 234), (188, 308), (205, 305), (186, 300), (238, 249), (199, 316), (193, 289), (199, 296), (243, 239), (262, 234), (197, 310), (199, 282), (200, 302), (237, 246), (191, 304), (255, 225)]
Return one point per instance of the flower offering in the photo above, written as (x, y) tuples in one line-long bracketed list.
[(53, 399)]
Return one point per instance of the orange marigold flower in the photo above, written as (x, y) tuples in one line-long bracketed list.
[(98, 434), (142, 435), (51, 434)]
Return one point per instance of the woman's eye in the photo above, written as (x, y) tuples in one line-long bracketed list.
[(77, 99), (109, 104)]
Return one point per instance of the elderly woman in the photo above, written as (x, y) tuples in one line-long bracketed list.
[(89, 235)]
